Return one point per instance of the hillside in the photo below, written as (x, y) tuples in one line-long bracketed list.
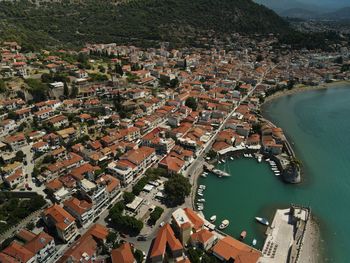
[(134, 20)]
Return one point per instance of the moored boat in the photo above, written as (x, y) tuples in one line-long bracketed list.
[(243, 234), (262, 220), (254, 242), (224, 224), (212, 218)]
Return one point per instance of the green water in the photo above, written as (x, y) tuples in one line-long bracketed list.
[(318, 124)]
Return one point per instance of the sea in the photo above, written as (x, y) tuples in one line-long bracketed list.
[(317, 123)]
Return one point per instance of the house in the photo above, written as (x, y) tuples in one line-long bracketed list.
[(80, 209), (123, 254), (7, 126), (132, 163), (63, 222), (165, 242), (58, 121), (16, 141), (172, 164), (112, 185), (40, 147), (228, 248), (67, 134), (15, 252), (16, 179), (87, 247), (44, 114), (94, 193), (42, 245), (185, 222), (203, 239)]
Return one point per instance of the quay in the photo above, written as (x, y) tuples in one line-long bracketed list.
[(212, 169), (285, 236)]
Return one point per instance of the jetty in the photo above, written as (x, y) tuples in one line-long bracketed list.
[(285, 236), (212, 169)]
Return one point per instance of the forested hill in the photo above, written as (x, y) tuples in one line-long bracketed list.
[(104, 21)]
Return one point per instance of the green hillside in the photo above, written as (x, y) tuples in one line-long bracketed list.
[(135, 20)]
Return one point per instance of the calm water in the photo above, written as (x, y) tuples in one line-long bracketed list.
[(318, 123)]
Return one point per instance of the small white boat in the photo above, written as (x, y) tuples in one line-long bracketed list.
[(254, 242), (223, 161), (200, 208), (200, 194), (220, 162), (212, 218), (262, 220), (201, 200), (204, 175), (267, 160), (231, 158), (224, 224)]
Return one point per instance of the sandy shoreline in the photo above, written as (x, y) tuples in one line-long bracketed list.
[(302, 88)]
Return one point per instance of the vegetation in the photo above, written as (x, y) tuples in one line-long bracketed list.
[(177, 188), (155, 215), (191, 103), (37, 89), (151, 175), (13, 209), (142, 22), (124, 223), (128, 197)]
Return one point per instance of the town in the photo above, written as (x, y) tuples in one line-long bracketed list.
[(101, 148)]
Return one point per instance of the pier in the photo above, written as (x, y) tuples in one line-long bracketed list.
[(212, 169), (285, 236)]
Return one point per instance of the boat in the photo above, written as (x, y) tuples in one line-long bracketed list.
[(223, 161), (200, 208), (212, 218), (200, 194), (220, 162), (254, 242), (201, 200), (262, 220), (224, 224), (204, 175), (259, 159), (243, 234), (231, 158)]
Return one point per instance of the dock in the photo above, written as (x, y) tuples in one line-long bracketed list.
[(285, 236), (212, 169)]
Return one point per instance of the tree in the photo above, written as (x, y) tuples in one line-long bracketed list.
[(259, 58), (191, 103), (2, 86), (30, 226), (174, 82), (212, 154), (119, 69), (20, 156), (138, 255), (155, 215), (112, 237), (74, 92), (177, 188), (49, 159), (128, 197), (65, 89), (12, 115)]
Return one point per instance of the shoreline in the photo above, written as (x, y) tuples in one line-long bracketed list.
[(312, 250), (302, 88)]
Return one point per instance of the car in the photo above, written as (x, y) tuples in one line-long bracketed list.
[(141, 238), (162, 224), (96, 219), (77, 237), (29, 188), (25, 162), (123, 235)]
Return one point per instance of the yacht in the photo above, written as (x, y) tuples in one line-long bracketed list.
[(224, 224), (204, 175), (262, 220), (212, 218)]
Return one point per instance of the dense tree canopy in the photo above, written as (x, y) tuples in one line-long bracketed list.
[(177, 188)]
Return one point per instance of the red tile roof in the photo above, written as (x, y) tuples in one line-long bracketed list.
[(123, 254), (165, 239)]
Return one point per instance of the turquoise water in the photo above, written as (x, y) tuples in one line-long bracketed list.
[(318, 124)]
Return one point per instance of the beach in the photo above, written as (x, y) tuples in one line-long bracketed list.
[(303, 88)]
